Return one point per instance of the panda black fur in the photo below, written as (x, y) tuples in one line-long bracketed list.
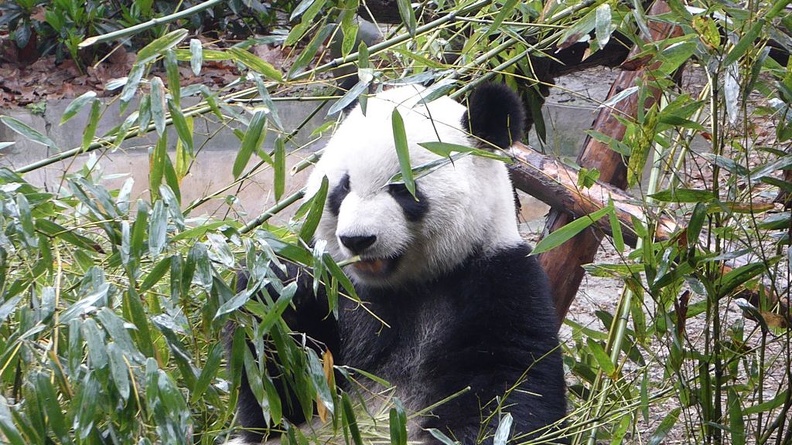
[(449, 275)]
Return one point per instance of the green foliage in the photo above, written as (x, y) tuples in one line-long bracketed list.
[(59, 26), (680, 293), (113, 306)]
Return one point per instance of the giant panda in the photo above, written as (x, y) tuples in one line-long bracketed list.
[(451, 298)]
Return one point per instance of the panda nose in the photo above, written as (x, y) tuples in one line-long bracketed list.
[(357, 244)]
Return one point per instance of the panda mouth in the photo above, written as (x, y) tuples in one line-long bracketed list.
[(375, 267)]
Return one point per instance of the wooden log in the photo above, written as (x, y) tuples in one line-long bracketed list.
[(556, 184), (563, 264)]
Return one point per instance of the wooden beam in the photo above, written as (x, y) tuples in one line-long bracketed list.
[(556, 184)]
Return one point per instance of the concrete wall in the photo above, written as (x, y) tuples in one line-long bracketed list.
[(215, 144), (569, 111)]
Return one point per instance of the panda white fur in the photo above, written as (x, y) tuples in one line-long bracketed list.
[(449, 275)]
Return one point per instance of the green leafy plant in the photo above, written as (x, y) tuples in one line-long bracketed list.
[(17, 17)]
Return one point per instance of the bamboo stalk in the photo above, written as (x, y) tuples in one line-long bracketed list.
[(150, 24)]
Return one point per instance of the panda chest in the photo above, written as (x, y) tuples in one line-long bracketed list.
[(397, 342)]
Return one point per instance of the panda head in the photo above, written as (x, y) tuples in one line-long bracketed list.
[(462, 209)]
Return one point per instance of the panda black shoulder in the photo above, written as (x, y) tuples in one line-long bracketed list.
[(495, 114)]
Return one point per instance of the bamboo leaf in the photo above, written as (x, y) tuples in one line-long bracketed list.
[(736, 417), (696, 223), (171, 185), (234, 303), (314, 212), (9, 307), (397, 422), (318, 380), (155, 274), (623, 94), (118, 330), (615, 226), (26, 222), (157, 160), (183, 129), (300, 8), (274, 400), (220, 252), (84, 421), (565, 233), (93, 122), (144, 115), (131, 84), (602, 358), (158, 104), (28, 132), (348, 97), (309, 52), (7, 427), (407, 15), (579, 31), (138, 235), (767, 406), (674, 55), (150, 52), (268, 105), (45, 391), (94, 340), (76, 105), (684, 195), (665, 426), (339, 275), (349, 28), (198, 268), (279, 166), (208, 372), (249, 142), (158, 229), (602, 26), (504, 12), (402, 151), (349, 419), (255, 64), (313, 8), (503, 430), (446, 149), (739, 276), (174, 81), (285, 298), (118, 369), (748, 40), (133, 310), (196, 56), (437, 434), (255, 383)]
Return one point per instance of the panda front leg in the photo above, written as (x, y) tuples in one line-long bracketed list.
[(309, 320)]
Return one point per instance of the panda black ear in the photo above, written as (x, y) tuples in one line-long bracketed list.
[(495, 114)]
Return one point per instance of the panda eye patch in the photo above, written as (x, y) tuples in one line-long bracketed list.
[(414, 208), (337, 195)]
